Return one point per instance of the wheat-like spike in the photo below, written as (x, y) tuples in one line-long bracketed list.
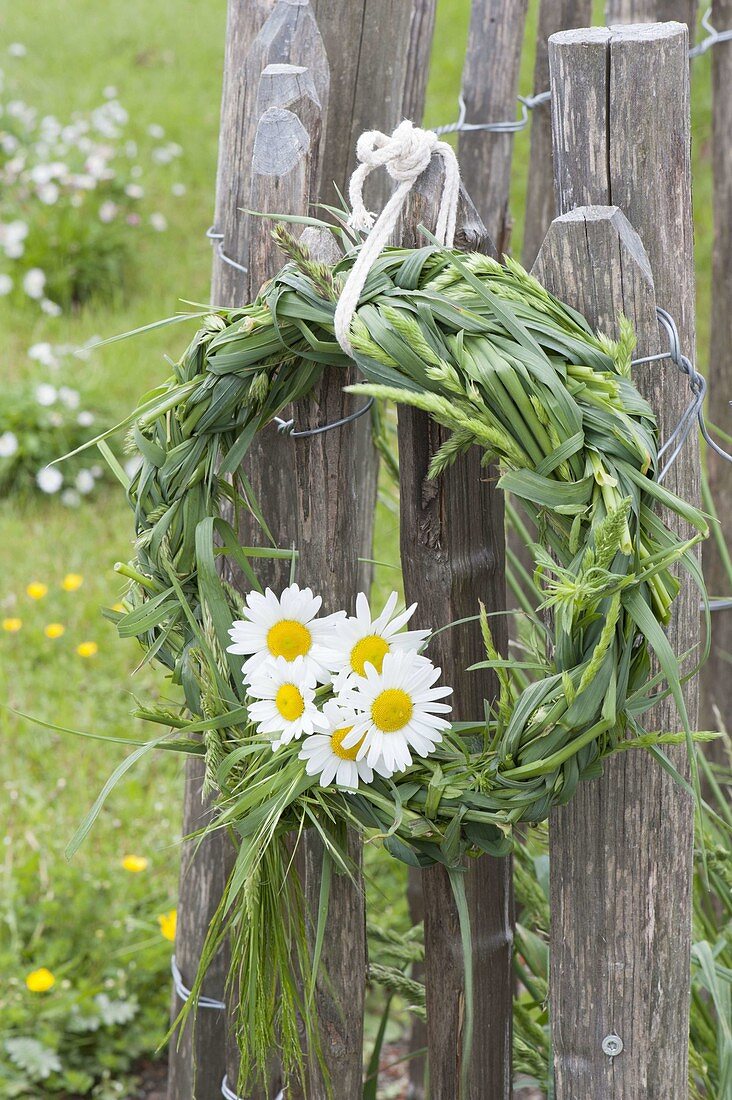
[(455, 445), (506, 696), (410, 330), (363, 342), (603, 644), (395, 981), (608, 537)]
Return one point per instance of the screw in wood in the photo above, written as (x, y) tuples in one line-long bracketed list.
[(612, 1045)]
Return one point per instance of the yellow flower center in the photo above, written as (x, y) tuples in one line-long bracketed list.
[(289, 639), (370, 650), (289, 702), (391, 710), (336, 744)]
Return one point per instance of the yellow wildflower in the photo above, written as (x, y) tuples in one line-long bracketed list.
[(168, 923), (37, 590), (87, 649), (40, 981), (72, 581), (54, 630), (135, 864), (12, 625)]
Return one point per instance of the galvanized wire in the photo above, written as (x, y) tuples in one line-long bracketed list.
[(713, 38), (694, 410), (217, 240), (529, 103), (228, 1093), (286, 427), (185, 994), (509, 126)]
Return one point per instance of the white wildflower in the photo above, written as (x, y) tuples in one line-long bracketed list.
[(34, 282), (8, 444), (46, 394), (49, 479)]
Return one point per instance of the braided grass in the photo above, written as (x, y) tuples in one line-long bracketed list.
[(490, 355)]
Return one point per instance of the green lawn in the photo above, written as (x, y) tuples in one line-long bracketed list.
[(91, 921)]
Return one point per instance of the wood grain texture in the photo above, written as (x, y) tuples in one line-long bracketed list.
[(367, 44), (622, 899), (326, 476), (244, 20), (419, 54), (716, 681), (554, 15), (380, 79), (336, 472), (289, 36), (489, 88), (198, 1058), (652, 11), (452, 547), (284, 178)]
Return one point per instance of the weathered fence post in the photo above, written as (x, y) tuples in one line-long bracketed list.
[(621, 850), (384, 79), (489, 87), (716, 679), (284, 179), (370, 81), (419, 54), (651, 11), (243, 24), (452, 555), (197, 1063), (394, 69), (197, 1058), (554, 15)]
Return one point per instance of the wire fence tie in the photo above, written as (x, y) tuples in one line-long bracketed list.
[(695, 408), (217, 240), (228, 1093), (286, 427), (531, 102), (713, 36), (185, 994)]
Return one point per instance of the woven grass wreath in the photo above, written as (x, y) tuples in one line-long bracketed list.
[(489, 354)]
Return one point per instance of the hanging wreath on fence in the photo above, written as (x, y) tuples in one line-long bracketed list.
[(335, 722)]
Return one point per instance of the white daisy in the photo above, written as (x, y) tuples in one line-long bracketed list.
[(285, 708), (286, 627), (397, 709), (361, 640), (326, 755)]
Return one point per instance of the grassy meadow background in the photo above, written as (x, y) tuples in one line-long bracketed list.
[(91, 922)]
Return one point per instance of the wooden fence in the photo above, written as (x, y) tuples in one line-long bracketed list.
[(295, 99)]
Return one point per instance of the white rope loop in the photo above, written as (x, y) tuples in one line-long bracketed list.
[(405, 155)]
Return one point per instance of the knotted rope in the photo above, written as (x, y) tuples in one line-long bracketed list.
[(405, 155)]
